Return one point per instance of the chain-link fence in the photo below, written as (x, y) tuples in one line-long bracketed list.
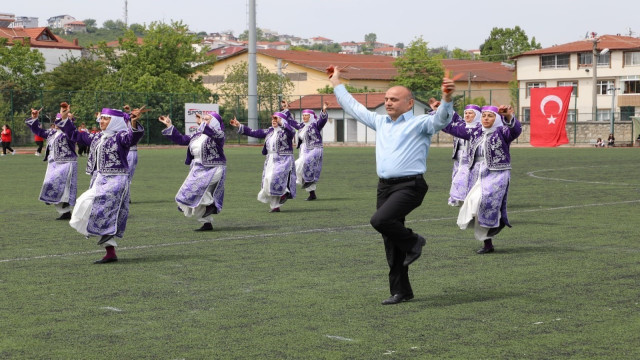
[(15, 106)]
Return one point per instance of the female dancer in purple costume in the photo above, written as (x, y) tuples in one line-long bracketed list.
[(486, 201), (309, 163), (202, 192), (103, 209), (461, 178), (60, 180), (279, 172)]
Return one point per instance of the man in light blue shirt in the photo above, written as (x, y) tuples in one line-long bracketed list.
[(402, 147)]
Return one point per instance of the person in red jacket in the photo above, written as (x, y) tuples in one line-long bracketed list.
[(6, 140), (40, 142)]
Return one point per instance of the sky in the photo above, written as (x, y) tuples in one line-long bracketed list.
[(461, 25)]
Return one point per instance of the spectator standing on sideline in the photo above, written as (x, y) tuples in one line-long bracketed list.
[(6, 140), (82, 149), (402, 147), (39, 141)]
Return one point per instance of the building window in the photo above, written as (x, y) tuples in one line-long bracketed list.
[(604, 85), (631, 84), (604, 115), (212, 79), (573, 84), (556, 61), (526, 114), (632, 58), (626, 112), (532, 85), (571, 115), (586, 59), (302, 76)]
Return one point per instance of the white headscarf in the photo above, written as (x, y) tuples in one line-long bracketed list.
[(477, 110), (117, 122), (497, 123)]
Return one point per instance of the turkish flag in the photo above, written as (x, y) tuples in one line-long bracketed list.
[(549, 107)]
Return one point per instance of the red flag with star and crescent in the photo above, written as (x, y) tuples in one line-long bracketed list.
[(549, 107)]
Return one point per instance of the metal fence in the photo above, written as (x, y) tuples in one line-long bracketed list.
[(15, 107)]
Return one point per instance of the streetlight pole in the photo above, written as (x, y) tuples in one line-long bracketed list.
[(613, 106), (594, 69)]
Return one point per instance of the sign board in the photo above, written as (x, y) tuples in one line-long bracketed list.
[(190, 111)]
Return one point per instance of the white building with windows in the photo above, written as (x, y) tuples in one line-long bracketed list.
[(617, 84)]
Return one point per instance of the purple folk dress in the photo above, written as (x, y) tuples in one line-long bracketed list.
[(309, 163), (489, 157), (103, 209), (61, 178), (279, 173), (205, 183)]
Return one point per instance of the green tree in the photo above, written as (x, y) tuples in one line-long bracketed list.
[(91, 25), (271, 87), (371, 39), (400, 45), (114, 25), (329, 89), (417, 70), (259, 35), (20, 66), (73, 74), (138, 29), (458, 53), (503, 44), (165, 62), (21, 69)]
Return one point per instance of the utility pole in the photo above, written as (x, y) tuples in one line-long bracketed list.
[(253, 72), (126, 14)]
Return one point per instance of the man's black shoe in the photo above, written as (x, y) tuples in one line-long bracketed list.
[(205, 227), (65, 216), (415, 252), (396, 299), (485, 250), (274, 210)]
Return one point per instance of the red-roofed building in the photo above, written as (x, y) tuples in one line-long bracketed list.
[(389, 51), (307, 70), (75, 27), (321, 40), (571, 64), (54, 48)]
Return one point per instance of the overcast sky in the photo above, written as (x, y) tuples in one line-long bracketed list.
[(461, 25)]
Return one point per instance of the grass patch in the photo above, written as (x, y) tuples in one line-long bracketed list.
[(307, 283)]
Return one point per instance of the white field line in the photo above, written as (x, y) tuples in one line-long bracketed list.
[(533, 175), (268, 235)]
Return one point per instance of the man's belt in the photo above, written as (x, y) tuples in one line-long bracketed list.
[(398, 180)]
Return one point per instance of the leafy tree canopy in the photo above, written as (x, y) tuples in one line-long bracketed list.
[(503, 44), (417, 69), (20, 66), (270, 86)]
